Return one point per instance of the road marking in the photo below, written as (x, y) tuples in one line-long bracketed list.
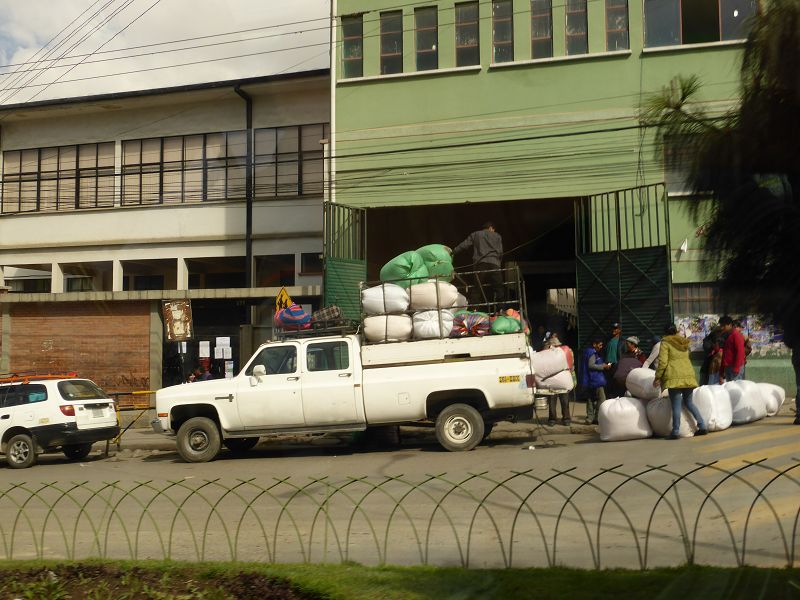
[(742, 440), (789, 450)]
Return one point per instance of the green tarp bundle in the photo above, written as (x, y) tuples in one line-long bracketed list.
[(439, 260), (405, 270)]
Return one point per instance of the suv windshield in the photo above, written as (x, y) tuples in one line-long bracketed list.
[(80, 389)]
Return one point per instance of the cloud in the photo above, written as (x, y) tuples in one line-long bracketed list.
[(90, 51)]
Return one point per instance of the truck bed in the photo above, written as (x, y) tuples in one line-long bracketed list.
[(450, 349)]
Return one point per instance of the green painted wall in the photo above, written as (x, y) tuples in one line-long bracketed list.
[(509, 132)]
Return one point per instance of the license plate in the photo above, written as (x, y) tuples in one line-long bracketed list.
[(97, 413)]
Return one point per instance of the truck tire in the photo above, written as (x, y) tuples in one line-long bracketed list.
[(77, 451), (198, 440), (459, 428), (240, 444), (487, 429), (20, 452)]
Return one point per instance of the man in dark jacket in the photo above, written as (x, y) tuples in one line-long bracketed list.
[(487, 255), (593, 378), (631, 359)]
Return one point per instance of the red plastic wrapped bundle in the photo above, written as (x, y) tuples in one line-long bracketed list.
[(470, 324), (293, 317)]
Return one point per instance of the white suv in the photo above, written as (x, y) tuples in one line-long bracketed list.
[(49, 413)]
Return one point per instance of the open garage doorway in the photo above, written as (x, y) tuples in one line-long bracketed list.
[(538, 236)]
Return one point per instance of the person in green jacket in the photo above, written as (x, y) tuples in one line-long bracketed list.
[(676, 374)]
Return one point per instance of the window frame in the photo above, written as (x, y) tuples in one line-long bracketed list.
[(460, 26), (328, 347), (391, 18), (417, 30), (619, 8), (498, 45), (353, 41), (567, 35), (548, 15), (679, 14)]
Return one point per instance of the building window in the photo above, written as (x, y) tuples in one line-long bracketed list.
[(678, 155), (467, 34), (427, 33), (353, 46), (676, 22), (541, 28), (59, 178), (392, 42), (502, 31), (311, 263), (617, 25), (289, 160), (577, 27), (696, 299)]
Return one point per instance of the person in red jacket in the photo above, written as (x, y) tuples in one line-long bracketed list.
[(733, 356)]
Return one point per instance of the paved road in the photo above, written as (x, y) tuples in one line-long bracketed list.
[(499, 505)]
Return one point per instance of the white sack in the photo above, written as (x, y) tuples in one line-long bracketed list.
[(460, 301), (424, 295), (640, 384), (549, 361), (427, 324), (623, 419), (559, 381), (659, 414), (774, 396), (384, 299), (747, 403), (714, 404), (389, 328)]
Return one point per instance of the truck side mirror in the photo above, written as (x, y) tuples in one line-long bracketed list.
[(259, 371)]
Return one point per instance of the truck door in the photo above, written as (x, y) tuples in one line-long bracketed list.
[(274, 400), (329, 386)]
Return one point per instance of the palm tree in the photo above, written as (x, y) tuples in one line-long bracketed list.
[(747, 163)]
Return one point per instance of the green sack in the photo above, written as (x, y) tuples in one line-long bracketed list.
[(442, 270), (405, 270), (503, 325), (435, 253)]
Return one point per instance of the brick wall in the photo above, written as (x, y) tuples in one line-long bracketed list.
[(108, 342)]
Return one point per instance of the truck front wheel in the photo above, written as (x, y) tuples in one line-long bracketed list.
[(459, 427), (198, 440)]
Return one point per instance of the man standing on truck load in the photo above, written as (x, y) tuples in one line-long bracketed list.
[(487, 255)]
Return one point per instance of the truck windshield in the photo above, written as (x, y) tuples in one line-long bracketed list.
[(277, 360)]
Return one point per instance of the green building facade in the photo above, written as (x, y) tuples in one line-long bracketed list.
[(446, 114)]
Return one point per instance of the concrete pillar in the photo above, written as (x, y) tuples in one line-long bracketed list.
[(56, 279), (182, 275), (116, 276)]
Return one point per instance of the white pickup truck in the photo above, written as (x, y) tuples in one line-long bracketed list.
[(335, 384)]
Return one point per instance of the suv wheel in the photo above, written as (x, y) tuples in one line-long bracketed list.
[(20, 452), (198, 440), (459, 427), (240, 444), (77, 452)]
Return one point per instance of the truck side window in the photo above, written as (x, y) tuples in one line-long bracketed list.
[(278, 360), (327, 356)]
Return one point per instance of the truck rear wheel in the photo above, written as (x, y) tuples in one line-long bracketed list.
[(459, 427), (198, 440)]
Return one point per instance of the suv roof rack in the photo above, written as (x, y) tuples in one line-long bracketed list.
[(318, 329), (27, 377)]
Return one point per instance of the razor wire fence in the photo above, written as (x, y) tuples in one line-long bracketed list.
[(614, 517)]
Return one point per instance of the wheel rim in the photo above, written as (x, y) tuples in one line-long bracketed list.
[(198, 440), (458, 428), (19, 451)]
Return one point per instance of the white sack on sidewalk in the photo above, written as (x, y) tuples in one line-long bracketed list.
[(714, 404), (774, 396), (550, 361), (747, 402), (560, 381), (640, 384), (433, 324), (659, 414), (384, 299), (432, 295), (388, 328), (623, 419)]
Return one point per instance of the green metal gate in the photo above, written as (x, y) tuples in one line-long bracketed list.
[(624, 272), (345, 256)]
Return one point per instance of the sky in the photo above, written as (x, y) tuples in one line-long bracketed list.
[(71, 48)]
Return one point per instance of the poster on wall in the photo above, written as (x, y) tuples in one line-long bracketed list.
[(177, 320), (765, 337)]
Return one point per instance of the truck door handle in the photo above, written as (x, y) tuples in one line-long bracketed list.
[(345, 374), (229, 398), (292, 379), (5, 417)]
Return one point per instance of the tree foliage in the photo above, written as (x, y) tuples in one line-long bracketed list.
[(748, 163)]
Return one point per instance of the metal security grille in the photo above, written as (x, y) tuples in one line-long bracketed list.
[(623, 263), (345, 263)]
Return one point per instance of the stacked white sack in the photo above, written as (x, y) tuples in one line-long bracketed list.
[(432, 295), (659, 414), (774, 396), (640, 384), (560, 381), (388, 328), (623, 419), (714, 404), (460, 301), (433, 324), (747, 402), (549, 362), (384, 299)]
